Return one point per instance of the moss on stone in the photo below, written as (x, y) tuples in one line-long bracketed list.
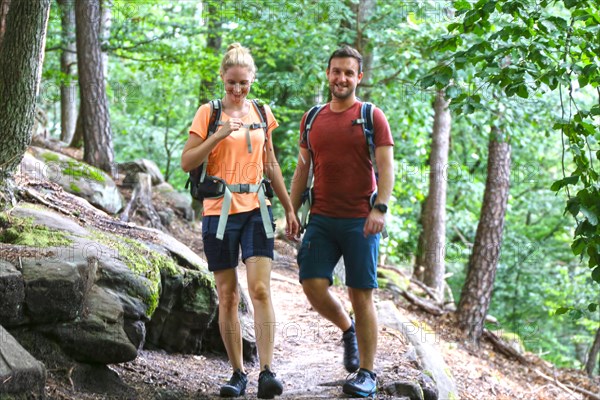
[(74, 188), (24, 232), (385, 277), (81, 170), (142, 261), (50, 157)]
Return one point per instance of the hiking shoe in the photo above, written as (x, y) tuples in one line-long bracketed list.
[(236, 385), (363, 384), (351, 358), (268, 385)]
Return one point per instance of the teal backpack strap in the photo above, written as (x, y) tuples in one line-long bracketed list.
[(258, 188)]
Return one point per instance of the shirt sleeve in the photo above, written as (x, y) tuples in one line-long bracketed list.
[(271, 121), (383, 133), (200, 123)]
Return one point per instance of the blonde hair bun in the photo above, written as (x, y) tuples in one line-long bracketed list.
[(237, 55)]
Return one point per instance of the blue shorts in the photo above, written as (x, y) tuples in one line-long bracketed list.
[(245, 229), (327, 239)]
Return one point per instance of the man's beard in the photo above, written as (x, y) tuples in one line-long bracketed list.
[(339, 95)]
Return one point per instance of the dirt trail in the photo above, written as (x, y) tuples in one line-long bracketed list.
[(308, 349)]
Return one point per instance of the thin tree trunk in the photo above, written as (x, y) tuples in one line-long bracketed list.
[(214, 41), (364, 9), (593, 360), (419, 268), (4, 5), (105, 24), (477, 289), (95, 121), (68, 63), (434, 218), (21, 58)]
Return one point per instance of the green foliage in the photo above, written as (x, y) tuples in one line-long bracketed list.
[(530, 69)]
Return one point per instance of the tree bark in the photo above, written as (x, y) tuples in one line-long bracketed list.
[(105, 24), (477, 289), (68, 63), (95, 121), (21, 58), (4, 5), (364, 9), (434, 218), (593, 360), (214, 40)]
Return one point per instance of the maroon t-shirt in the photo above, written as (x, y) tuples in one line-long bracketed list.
[(344, 177)]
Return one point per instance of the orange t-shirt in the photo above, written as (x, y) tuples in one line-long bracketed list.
[(230, 159)]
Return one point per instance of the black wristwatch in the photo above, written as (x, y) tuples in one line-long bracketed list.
[(381, 208)]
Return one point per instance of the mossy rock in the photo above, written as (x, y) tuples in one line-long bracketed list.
[(25, 232), (388, 278)]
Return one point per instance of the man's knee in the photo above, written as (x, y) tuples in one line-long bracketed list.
[(315, 289)]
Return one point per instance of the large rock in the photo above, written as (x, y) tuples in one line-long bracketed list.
[(182, 203), (19, 371), (140, 166), (75, 177), (424, 343), (12, 291), (96, 293)]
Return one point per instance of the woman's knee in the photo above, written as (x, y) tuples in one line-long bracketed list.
[(260, 292), (229, 298)]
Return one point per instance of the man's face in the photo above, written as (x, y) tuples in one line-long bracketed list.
[(343, 77)]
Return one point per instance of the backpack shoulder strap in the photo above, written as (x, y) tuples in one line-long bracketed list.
[(366, 120), (216, 108), (262, 114), (308, 122)]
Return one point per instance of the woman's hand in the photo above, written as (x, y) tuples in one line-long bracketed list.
[(231, 125)]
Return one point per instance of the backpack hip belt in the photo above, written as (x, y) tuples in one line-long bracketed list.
[(245, 188)]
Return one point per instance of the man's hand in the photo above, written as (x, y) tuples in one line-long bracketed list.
[(292, 229), (375, 223)]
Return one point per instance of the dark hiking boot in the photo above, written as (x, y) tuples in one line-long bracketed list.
[(236, 385), (363, 384), (351, 358), (268, 385)]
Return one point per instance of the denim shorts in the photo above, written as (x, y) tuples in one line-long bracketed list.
[(327, 239), (243, 229)]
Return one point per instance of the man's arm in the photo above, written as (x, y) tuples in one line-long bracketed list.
[(384, 157), (299, 178)]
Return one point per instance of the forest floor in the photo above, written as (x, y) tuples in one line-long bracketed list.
[(308, 355), (308, 358)]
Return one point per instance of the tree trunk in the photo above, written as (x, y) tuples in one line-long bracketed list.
[(95, 121), (214, 40), (364, 9), (593, 360), (434, 218), (21, 58), (477, 289), (68, 62), (4, 5), (419, 268), (105, 24)]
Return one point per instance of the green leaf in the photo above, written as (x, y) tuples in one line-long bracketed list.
[(590, 215), (596, 274), (592, 307), (570, 180), (452, 92), (578, 246), (562, 310)]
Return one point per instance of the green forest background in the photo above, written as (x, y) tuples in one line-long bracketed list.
[(529, 69)]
